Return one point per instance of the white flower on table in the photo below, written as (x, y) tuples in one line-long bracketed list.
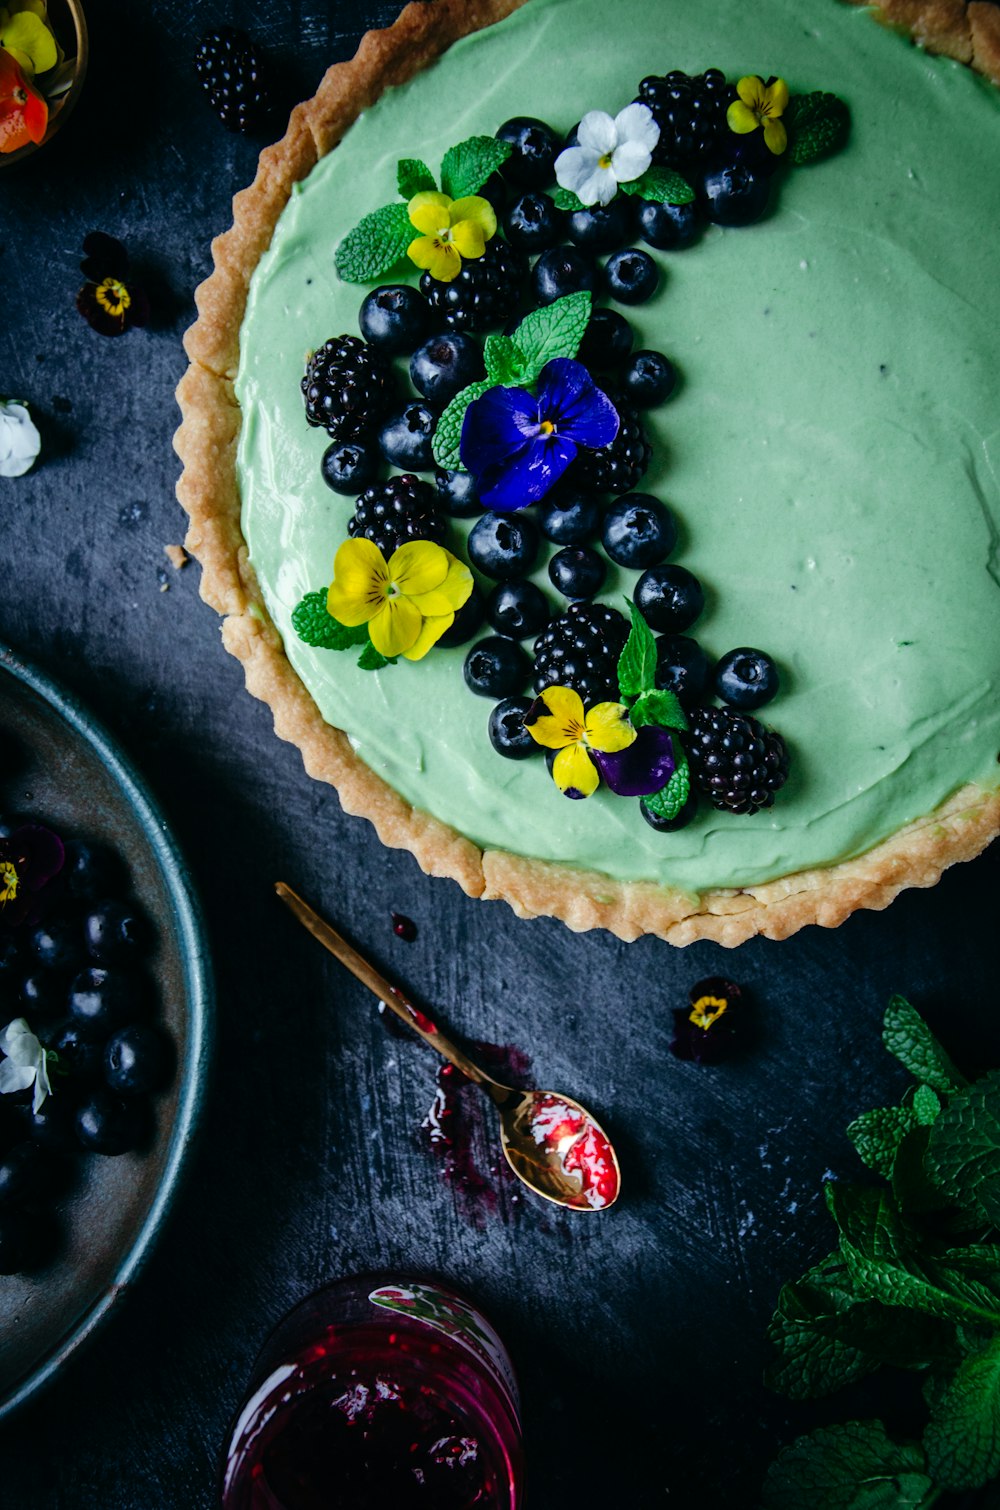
[(20, 441), (609, 151), (26, 1063)]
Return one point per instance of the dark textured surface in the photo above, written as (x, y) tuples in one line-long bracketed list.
[(640, 1336)]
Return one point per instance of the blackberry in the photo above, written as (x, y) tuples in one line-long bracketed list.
[(617, 468), (234, 75), (735, 761), (391, 513), (691, 114), (580, 649), (348, 387), (486, 291)]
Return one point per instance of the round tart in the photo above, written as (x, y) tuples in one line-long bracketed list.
[(831, 457)]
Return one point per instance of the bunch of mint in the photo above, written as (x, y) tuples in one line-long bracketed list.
[(914, 1284)]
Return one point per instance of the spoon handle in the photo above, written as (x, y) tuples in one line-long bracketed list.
[(393, 997)]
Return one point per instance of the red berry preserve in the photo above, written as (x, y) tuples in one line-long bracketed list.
[(379, 1391)]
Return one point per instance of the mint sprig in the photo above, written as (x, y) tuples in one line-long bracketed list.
[(466, 168), (315, 625), (637, 662), (375, 244), (555, 330), (817, 126), (661, 186), (414, 177)]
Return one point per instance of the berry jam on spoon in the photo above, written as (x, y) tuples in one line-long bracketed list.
[(551, 1142)]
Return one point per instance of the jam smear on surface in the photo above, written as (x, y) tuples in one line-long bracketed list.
[(460, 1130)]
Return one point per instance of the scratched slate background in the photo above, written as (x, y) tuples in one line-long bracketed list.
[(639, 1337)]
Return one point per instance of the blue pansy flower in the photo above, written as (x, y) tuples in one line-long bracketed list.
[(517, 445)]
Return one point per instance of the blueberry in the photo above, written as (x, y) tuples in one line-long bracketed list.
[(444, 365), (394, 317), (577, 571), (563, 270), (682, 667), (679, 820), (80, 1054), (519, 610), (508, 735), (458, 494), (631, 276), (668, 227), (350, 467), (496, 667), (533, 223), (746, 678), (58, 943), (736, 194), (114, 932), (91, 871), (28, 1240), (52, 1123), (669, 598), (649, 378), (494, 191), (30, 1172), (137, 1060), (105, 1124), (535, 146), (604, 227), (467, 620), (42, 993), (607, 340), (639, 531), (407, 438), (102, 1000), (569, 518), (504, 546)]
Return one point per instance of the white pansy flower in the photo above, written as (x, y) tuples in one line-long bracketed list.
[(20, 441), (26, 1062), (608, 152)]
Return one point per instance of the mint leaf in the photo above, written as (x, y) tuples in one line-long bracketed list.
[(658, 707), (963, 1150), (906, 1035), (371, 659), (913, 1189), (467, 167), (855, 1466), (962, 1438), (811, 1359), (448, 435), (926, 1106), (817, 125), (504, 360), (877, 1135), (565, 199), (315, 625), (413, 177), (376, 243), (661, 185), (668, 801), (555, 330), (637, 662)]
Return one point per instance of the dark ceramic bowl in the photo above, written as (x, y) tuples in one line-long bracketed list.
[(61, 768)]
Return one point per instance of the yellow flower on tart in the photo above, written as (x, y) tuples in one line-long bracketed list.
[(450, 230), (407, 602)]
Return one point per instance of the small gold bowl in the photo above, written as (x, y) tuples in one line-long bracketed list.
[(68, 22)]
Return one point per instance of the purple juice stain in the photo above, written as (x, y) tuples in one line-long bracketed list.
[(403, 927), (460, 1130)]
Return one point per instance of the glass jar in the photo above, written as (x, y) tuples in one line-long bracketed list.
[(378, 1390)]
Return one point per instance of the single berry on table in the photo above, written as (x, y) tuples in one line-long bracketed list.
[(496, 667), (444, 365), (669, 598), (735, 761), (102, 1000), (532, 223), (503, 546), (393, 318), (109, 1125), (603, 227), (631, 276), (91, 871), (682, 667), (407, 438), (690, 111), (349, 467), (466, 622), (607, 340), (746, 678), (535, 147), (486, 291), (617, 468), (668, 227), (577, 571), (508, 735), (137, 1060), (390, 514), (115, 932), (561, 271), (639, 531), (458, 494), (649, 378), (348, 387), (234, 75), (569, 518), (580, 649), (519, 610), (57, 944), (736, 194), (680, 819)]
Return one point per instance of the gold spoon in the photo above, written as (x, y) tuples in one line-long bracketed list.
[(551, 1142)]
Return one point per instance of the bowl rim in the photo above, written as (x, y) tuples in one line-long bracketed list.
[(199, 983)]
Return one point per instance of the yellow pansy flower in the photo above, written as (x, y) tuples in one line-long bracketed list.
[(407, 602), (556, 719), (760, 104), (450, 230)]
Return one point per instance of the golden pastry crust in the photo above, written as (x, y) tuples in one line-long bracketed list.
[(208, 490)]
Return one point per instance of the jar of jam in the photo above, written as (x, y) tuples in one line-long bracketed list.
[(379, 1390)]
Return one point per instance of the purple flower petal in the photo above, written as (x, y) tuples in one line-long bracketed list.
[(526, 476), (569, 398), (495, 427), (645, 766)]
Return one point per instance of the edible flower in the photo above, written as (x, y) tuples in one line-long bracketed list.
[(407, 602), (30, 858), (24, 115), (20, 441), (109, 301), (708, 1030), (760, 104), (608, 151), (557, 721), (517, 446), (450, 230), (24, 33), (26, 1063)]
